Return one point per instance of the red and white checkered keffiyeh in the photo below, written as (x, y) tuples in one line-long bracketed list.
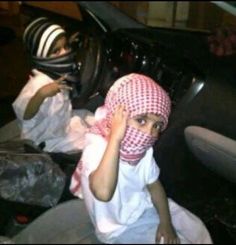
[(134, 145), (140, 95)]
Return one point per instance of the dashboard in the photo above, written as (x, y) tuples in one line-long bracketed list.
[(123, 54)]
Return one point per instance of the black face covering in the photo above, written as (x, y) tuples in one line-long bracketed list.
[(55, 67)]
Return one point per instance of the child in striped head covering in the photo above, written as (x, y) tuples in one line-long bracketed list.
[(118, 176), (43, 107), (41, 37)]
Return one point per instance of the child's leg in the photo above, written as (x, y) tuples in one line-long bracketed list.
[(143, 231), (189, 227)]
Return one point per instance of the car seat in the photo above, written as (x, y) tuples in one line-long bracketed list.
[(66, 223), (215, 151), (218, 153)]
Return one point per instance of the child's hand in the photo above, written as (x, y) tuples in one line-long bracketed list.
[(74, 37), (167, 234), (119, 123), (52, 89)]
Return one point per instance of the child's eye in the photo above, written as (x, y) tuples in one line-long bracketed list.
[(141, 121), (158, 126), (56, 51)]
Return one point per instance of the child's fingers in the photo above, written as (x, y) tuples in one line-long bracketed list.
[(121, 112), (125, 114), (66, 87), (35, 72), (61, 79), (118, 110), (73, 37)]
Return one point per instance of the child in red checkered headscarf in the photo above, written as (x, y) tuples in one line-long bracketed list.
[(118, 176)]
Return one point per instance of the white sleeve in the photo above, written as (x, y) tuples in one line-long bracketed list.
[(93, 153), (28, 91), (152, 170)]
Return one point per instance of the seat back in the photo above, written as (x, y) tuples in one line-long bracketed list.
[(215, 151)]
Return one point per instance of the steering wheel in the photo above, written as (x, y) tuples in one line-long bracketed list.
[(89, 58)]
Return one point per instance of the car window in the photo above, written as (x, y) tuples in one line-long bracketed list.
[(181, 14)]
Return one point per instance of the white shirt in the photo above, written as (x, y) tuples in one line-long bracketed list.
[(54, 123), (131, 197)]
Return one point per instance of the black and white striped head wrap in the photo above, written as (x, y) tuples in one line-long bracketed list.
[(40, 36)]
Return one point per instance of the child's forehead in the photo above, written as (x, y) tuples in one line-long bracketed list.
[(62, 38), (151, 116), (61, 41)]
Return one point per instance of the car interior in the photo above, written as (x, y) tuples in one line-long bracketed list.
[(196, 154)]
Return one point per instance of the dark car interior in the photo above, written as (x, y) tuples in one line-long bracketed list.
[(197, 153)]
